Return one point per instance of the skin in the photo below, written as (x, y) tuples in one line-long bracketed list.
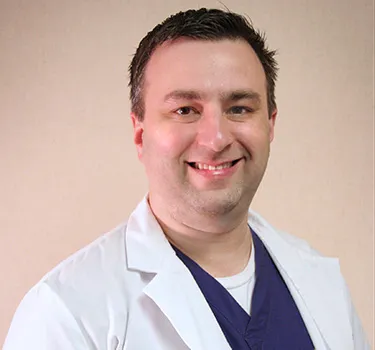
[(205, 102)]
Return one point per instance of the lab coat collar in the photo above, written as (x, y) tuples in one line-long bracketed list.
[(147, 248), (174, 290)]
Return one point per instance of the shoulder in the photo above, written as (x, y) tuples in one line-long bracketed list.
[(91, 267), (96, 280), (42, 321), (91, 261), (81, 299), (288, 248), (298, 243), (270, 233)]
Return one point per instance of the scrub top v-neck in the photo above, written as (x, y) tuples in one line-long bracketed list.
[(275, 322)]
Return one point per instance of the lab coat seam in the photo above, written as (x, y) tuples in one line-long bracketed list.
[(65, 307), (81, 253)]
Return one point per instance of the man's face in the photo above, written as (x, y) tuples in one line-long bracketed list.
[(206, 133)]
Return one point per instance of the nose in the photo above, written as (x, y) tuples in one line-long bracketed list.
[(214, 130)]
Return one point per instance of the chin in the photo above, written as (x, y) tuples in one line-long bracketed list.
[(215, 203)]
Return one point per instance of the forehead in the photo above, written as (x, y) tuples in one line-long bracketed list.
[(210, 67)]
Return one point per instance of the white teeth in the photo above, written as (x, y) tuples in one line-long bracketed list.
[(201, 166)]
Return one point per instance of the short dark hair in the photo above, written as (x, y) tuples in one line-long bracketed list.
[(202, 24)]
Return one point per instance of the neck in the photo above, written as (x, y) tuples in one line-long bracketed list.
[(222, 248)]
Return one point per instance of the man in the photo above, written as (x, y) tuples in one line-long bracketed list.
[(193, 268)]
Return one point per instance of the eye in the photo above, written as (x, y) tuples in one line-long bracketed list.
[(239, 110), (185, 111), (186, 114)]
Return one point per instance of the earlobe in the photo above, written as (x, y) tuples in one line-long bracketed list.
[(272, 120), (137, 134)]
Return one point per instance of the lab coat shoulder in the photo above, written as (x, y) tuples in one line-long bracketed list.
[(358, 334), (42, 321), (81, 304), (296, 243), (309, 262), (299, 243)]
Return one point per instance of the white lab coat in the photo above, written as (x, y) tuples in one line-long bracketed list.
[(128, 290)]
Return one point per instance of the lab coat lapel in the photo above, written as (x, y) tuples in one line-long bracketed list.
[(314, 282), (180, 299), (173, 289)]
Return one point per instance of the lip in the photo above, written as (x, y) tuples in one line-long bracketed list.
[(217, 173)]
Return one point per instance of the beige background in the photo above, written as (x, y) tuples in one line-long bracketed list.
[(68, 166)]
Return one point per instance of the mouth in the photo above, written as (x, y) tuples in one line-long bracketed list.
[(211, 167)]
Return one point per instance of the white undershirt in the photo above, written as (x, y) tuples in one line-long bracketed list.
[(241, 286)]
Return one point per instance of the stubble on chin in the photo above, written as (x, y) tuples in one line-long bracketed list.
[(214, 203)]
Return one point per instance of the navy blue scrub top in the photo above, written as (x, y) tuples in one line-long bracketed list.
[(275, 322)]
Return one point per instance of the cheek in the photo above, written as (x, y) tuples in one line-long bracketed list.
[(255, 137), (168, 142)]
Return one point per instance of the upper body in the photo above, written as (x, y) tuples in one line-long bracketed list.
[(204, 112), (128, 290)]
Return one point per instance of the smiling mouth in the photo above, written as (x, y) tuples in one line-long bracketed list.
[(204, 166)]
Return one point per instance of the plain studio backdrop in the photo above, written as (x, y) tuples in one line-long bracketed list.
[(68, 166)]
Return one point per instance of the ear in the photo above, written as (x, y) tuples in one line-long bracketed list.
[(272, 120), (137, 134)]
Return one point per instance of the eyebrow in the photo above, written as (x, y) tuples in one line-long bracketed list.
[(231, 96), (183, 95), (241, 95)]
